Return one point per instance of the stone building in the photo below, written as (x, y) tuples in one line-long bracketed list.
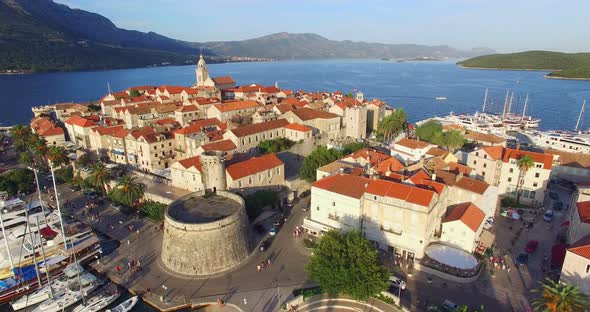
[(186, 174), (462, 226), (247, 138), (78, 129), (576, 266), (266, 172), (319, 121), (225, 111)]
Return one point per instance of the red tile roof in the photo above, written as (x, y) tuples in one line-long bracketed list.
[(410, 194), (223, 80), (484, 137), (285, 107), (236, 105), (413, 144), (187, 108), (142, 132), (197, 126), (459, 168), (121, 133), (222, 146), (435, 151), (107, 131), (495, 152), (423, 180), (584, 211), (52, 131), (468, 213), (308, 114), (390, 164), (195, 162), (271, 89), (545, 159), (253, 165), (205, 101), (372, 156), (581, 247), (298, 127), (259, 127), (79, 121), (293, 101), (343, 184), (141, 88), (165, 121), (473, 185)]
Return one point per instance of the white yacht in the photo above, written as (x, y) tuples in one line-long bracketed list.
[(73, 294), (99, 300)]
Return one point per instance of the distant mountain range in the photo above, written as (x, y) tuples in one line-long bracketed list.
[(41, 35)]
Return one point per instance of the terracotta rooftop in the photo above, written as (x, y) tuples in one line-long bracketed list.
[(495, 152), (581, 247), (80, 121), (192, 162), (446, 177), (259, 127), (222, 146), (298, 127), (435, 151), (545, 159), (413, 144), (459, 168), (106, 131), (343, 184), (584, 211), (435, 163), (473, 185), (390, 164), (223, 80), (197, 126), (187, 108), (206, 101), (52, 131), (253, 165), (236, 105), (468, 213), (407, 193), (484, 137), (309, 114), (575, 160), (285, 107)]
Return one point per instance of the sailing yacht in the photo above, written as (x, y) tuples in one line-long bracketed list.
[(73, 294)]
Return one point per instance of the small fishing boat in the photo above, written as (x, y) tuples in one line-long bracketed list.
[(100, 300), (440, 98), (127, 305)]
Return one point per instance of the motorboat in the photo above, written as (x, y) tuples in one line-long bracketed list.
[(127, 305), (100, 300)]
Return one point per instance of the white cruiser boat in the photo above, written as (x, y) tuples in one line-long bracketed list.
[(100, 300), (72, 295), (126, 306), (57, 287)]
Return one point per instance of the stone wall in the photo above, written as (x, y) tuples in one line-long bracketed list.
[(207, 248)]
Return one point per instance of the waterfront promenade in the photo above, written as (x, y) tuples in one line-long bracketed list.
[(242, 288)]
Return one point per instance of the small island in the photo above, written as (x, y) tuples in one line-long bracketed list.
[(575, 66)]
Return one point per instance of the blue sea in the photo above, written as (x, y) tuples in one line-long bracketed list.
[(411, 85)]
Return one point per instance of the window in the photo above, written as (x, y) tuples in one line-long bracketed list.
[(509, 179), (535, 184), (538, 166), (485, 165), (483, 173), (475, 162), (477, 154), (250, 180), (511, 170), (485, 156), (240, 184), (537, 175), (317, 208), (334, 204), (588, 268), (374, 197), (532, 194)]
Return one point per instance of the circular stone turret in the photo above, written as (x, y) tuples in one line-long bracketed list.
[(213, 171), (205, 235)]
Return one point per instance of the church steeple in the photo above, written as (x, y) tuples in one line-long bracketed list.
[(202, 71)]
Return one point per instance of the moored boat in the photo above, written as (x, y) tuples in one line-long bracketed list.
[(127, 305)]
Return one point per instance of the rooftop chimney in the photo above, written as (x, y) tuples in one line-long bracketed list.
[(434, 177)]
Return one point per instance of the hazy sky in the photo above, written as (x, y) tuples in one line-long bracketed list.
[(507, 26)]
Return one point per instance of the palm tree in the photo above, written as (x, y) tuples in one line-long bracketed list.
[(453, 139), (57, 156), (525, 163), (99, 176), (20, 135), (556, 297), (128, 191)]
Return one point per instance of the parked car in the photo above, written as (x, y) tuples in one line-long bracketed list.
[(531, 246), (489, 223), (557, 205), (273, 231), (449, 305), (522, 258), (397, 282), (548, 216), (553, 195), (305, 194)]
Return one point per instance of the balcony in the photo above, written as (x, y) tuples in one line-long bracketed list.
[(334, 217), (391, 231)]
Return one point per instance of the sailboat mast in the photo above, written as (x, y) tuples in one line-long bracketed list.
[(579, 117), (505, 104), (485, 99), (45, 261), (6, 242), (28, 227), (525, 103), (510, 103)]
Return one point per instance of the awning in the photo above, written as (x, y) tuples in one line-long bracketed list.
[(48, 232), (314, 226), (53, 260), (486, 238)]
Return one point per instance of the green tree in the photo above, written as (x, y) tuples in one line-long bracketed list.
[(17, 180), (134, 93), (453, 140), (557, 297), (20, 135), (275, 145), (153, 210), (392, 125), (347, 264), (128, 191), (525, 163), (99, 176), (428, 130), (354, 146), (57, 156), (319, 157)]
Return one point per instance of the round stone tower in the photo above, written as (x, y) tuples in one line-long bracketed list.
[(205, 235), (213, 171)]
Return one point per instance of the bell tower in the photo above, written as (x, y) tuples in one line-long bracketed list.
[(202, 72)]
